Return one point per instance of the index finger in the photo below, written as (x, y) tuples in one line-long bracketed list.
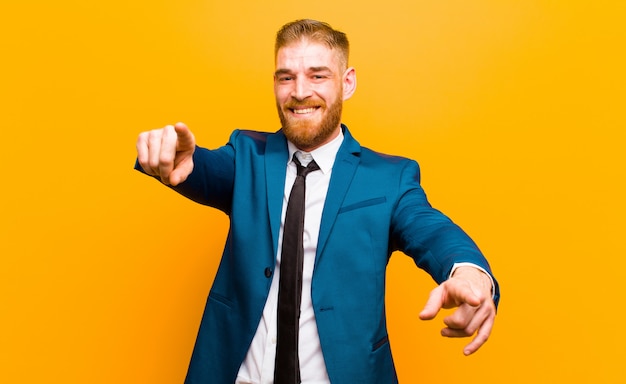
[(186, 140), (169, 145)]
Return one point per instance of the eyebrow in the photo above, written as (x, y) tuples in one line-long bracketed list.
[(285, 71), (282, 71), (320, 69)]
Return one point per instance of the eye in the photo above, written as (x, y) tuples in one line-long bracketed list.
[(285, 78)]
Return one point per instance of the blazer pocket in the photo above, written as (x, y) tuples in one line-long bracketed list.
[(380, 343), (216, 297), (363, 204)]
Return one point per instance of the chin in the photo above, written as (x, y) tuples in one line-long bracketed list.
[(308, 134)]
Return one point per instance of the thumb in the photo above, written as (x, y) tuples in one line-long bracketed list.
[(433, 305)]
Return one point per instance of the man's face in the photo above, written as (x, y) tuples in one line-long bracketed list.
[(308, 85)]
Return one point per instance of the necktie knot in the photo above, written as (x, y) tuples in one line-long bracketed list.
[(302, 170)]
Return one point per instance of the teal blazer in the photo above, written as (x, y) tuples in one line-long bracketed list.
[(375, 206)]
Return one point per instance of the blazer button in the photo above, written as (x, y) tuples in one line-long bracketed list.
[(268, 272)]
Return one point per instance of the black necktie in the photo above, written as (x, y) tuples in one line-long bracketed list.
[(287, 364)]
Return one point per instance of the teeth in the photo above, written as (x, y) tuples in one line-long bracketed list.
[(303, 111)]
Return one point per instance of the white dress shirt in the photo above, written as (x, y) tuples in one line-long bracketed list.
[(258, 366)]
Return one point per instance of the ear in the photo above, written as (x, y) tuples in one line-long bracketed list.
[(349, 83)]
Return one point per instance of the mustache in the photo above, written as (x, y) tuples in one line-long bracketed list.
[(304, 104)]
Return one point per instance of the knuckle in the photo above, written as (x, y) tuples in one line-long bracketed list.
[(154, 166), (470, 330), (165, 158), (155, 134)]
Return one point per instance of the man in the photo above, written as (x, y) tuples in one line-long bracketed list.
[(360, 206)]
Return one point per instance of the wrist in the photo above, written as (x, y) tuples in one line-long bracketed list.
[(477, 276)]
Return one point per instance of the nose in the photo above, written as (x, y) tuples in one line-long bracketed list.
[(302, 89)]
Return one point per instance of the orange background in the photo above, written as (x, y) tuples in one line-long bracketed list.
[(514, 109)]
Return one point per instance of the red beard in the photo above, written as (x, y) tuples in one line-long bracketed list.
[(305, 133)]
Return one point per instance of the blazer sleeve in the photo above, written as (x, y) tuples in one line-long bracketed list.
[(428, 236)]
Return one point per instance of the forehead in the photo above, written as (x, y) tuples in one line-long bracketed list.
[(305, 54)]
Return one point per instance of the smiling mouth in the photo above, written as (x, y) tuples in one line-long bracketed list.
[(303, 111)]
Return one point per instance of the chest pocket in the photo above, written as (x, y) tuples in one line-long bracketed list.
[(363, 204)]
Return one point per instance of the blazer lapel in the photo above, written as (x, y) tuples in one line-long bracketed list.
[(276, 155), (346, 162)]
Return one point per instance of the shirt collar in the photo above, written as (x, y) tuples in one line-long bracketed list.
[(324, 156)]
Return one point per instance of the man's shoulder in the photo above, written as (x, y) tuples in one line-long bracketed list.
[(251, 134), (371, 155), (254, 137)]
